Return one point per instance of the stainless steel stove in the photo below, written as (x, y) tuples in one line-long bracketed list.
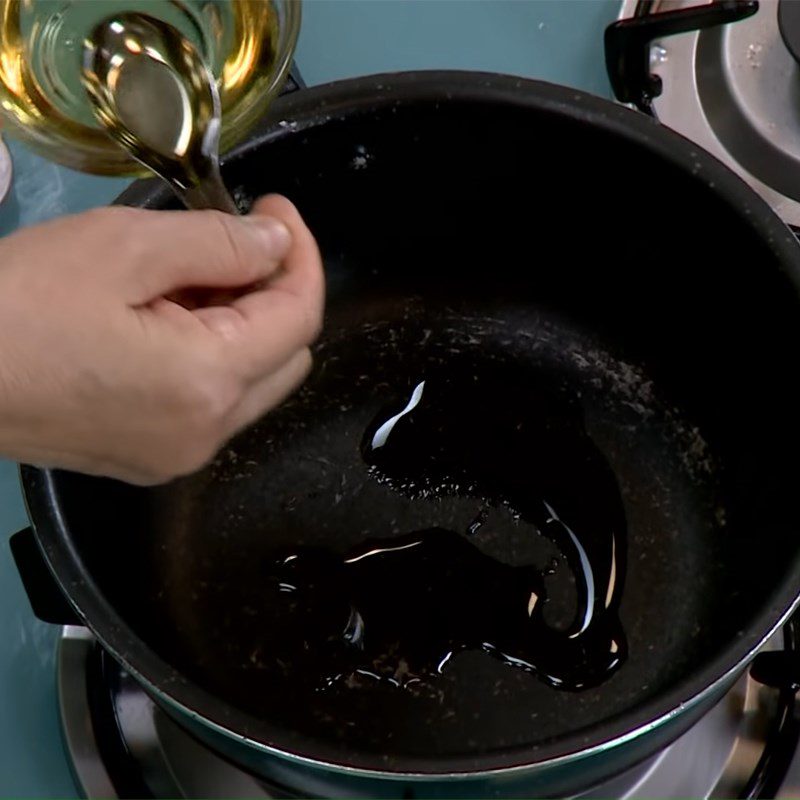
[(122, 745), (726, 76)]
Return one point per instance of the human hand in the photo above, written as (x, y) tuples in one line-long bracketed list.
[(101, 373)]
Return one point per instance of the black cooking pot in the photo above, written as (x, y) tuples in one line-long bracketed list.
[(570, 257)]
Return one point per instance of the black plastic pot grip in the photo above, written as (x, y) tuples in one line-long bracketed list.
[(627, 43), (779, 669), (45, 596), (294, 81)]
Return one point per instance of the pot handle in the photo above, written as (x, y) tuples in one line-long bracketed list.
[(627, 44), (45, 596), (779, 669)]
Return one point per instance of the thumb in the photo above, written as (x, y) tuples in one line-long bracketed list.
[(192, 249)]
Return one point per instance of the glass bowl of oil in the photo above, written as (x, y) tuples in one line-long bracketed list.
[(248, 44)]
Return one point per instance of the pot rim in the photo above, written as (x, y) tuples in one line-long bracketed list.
[(341, 100)]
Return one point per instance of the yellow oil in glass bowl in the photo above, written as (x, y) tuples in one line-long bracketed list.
[(248, 44)]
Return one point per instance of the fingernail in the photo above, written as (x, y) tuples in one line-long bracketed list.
[(277, 235)]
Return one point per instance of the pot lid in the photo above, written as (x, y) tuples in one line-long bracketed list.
[(735, 90)]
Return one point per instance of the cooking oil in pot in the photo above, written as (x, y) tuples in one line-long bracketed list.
[(401, 610)]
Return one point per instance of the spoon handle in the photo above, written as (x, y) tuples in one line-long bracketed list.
[(209, 192)]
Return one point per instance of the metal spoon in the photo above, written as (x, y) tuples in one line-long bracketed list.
[(155, 95), (5, 170)]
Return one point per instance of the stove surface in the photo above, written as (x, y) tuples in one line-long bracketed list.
[(555, 41), (131, 748), (732, 89)]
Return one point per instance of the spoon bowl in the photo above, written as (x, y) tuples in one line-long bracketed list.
[(154, 94)]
